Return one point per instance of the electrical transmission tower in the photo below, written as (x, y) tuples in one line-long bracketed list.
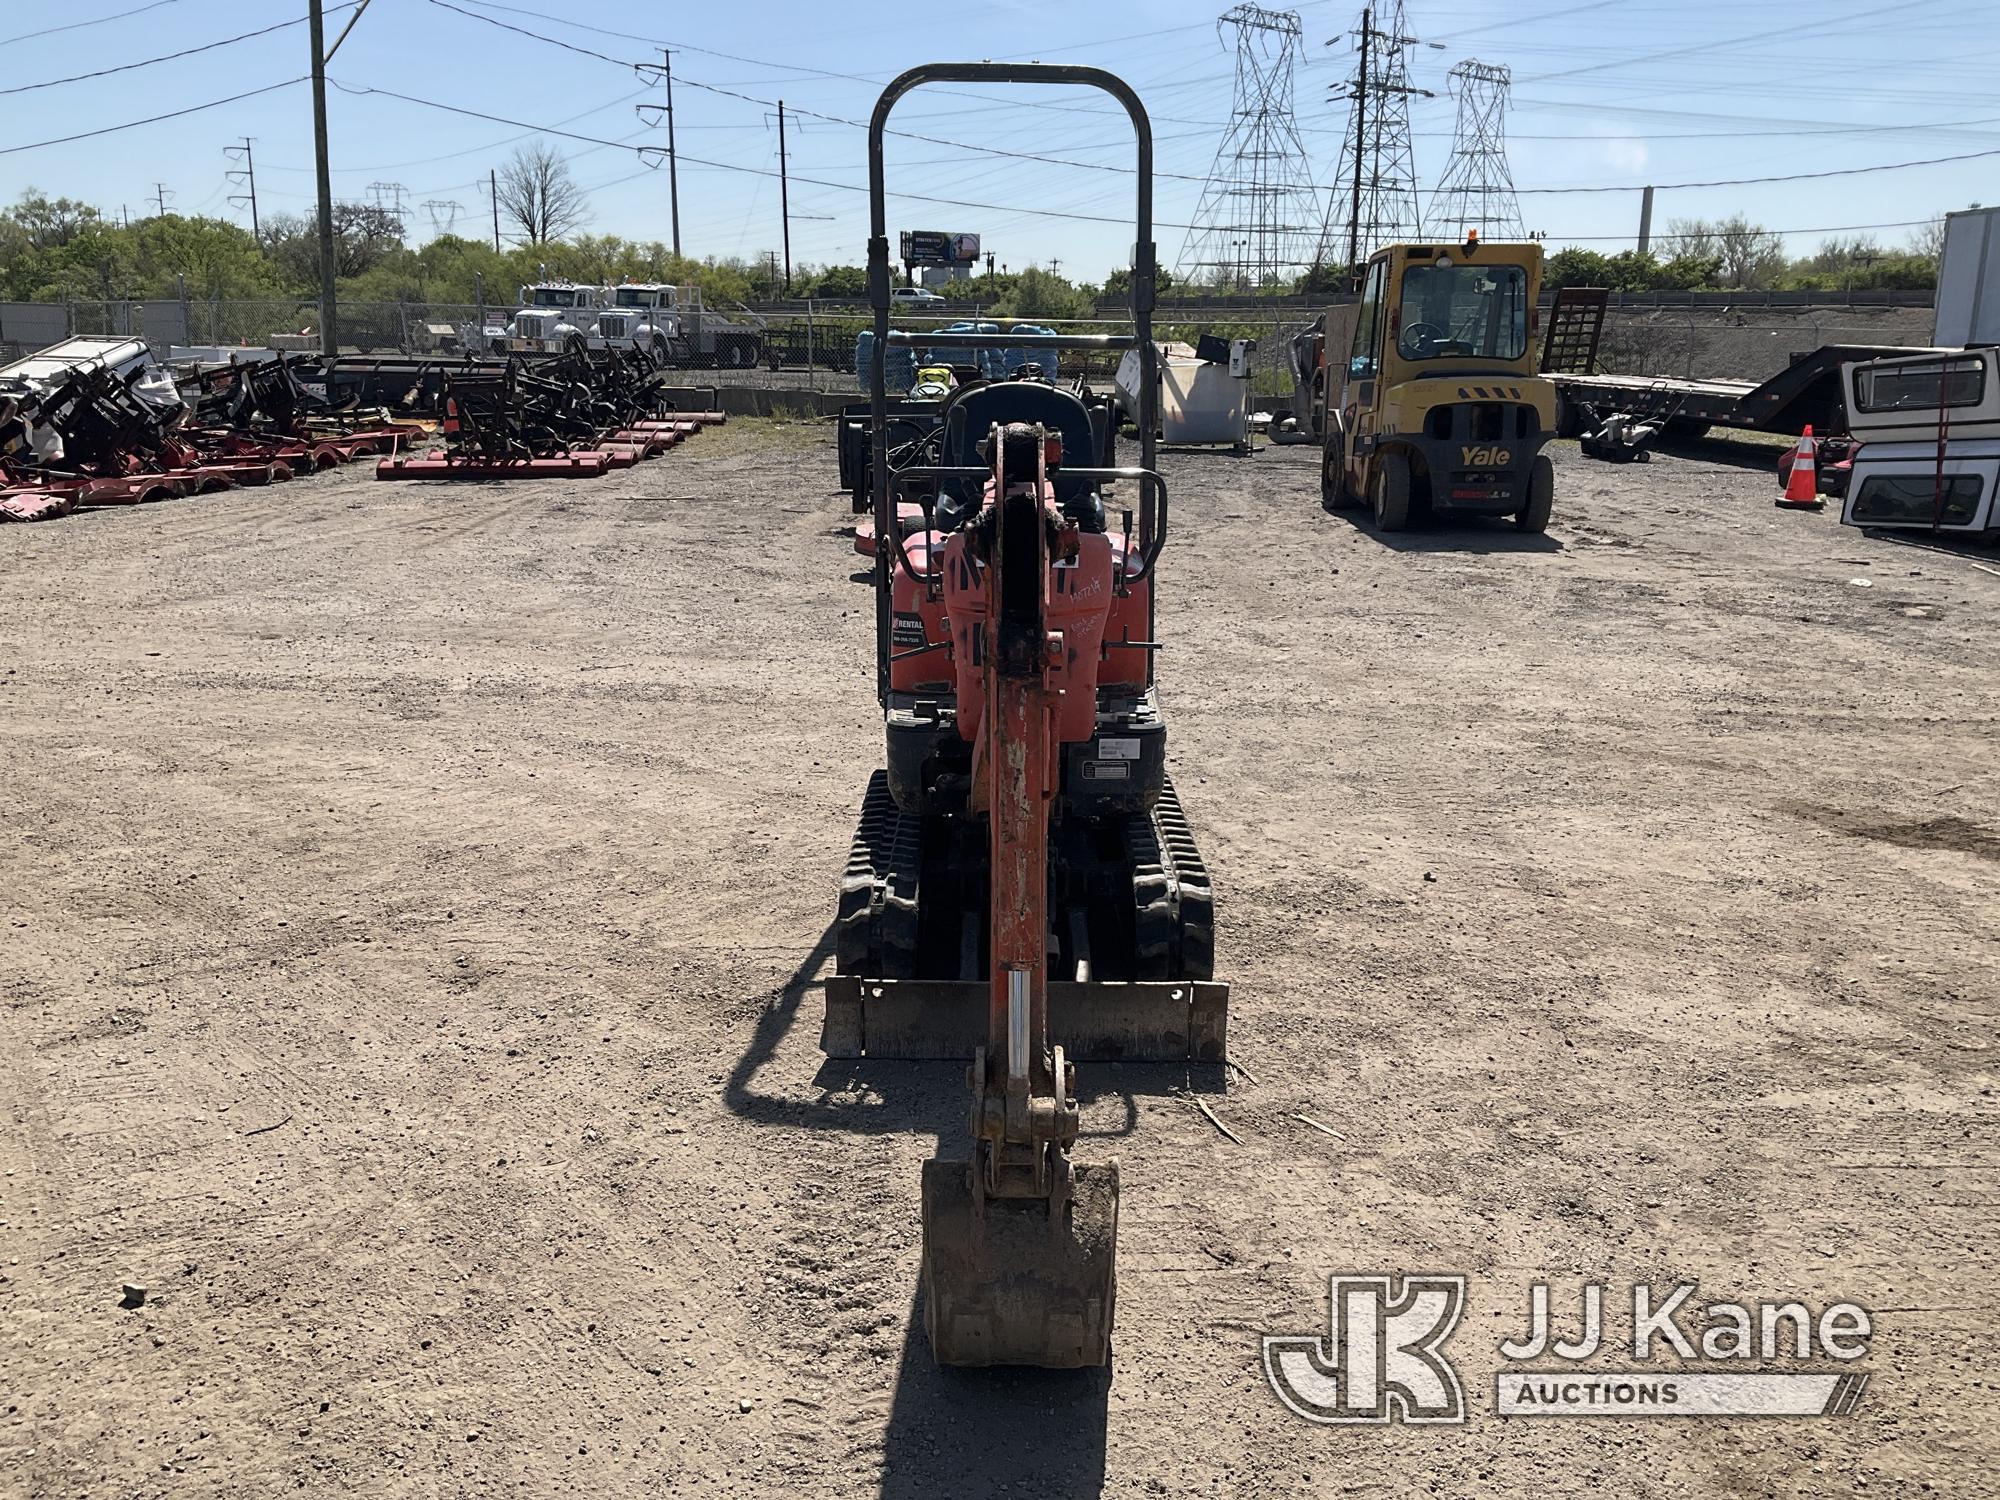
[(1254, 226), (1477, 190), (389, 189), (1373, 198), (443, 214)]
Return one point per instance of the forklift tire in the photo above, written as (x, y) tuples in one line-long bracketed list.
[(1333, 491), (1391, 491), (1534, 515)]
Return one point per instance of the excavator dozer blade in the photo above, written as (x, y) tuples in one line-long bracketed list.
[(1015, 1282), (945, 1020)]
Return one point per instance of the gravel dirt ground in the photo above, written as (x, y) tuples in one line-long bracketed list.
[(413, 898)]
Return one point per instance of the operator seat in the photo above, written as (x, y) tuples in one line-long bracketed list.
[(969, 414)]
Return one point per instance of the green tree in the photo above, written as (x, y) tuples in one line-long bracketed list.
[(1576, 266), (1323, 279), (1118, 285), (835, 281), (52, 221), (1039, 295)]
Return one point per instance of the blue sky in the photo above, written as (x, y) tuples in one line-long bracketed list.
[(1606, 95)]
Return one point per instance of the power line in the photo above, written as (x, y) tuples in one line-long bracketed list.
[(1887, 166), (768, 104), (34, 36), (728, 166), (28, 88), (762, 62), (537, 36), (192, 109), (1046, 213), (1599, 239), (1819, 26)]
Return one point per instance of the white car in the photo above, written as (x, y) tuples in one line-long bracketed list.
[(921, 295)]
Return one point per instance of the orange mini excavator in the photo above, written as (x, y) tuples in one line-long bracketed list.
[(1024, 891)]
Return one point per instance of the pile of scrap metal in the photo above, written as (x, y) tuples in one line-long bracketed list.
[(577, 414), (95, 422)]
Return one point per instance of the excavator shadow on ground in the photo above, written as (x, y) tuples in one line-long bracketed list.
[(946, 1425)]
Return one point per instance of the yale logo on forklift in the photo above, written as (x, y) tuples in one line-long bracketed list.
[(1485, 458)]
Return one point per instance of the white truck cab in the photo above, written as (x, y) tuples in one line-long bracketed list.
[(552, 311)]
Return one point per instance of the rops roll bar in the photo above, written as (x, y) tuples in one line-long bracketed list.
[(1143, 273)]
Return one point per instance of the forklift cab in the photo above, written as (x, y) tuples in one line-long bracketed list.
[(1436, 403)]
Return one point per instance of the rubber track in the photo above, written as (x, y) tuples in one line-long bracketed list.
[(1151, 872), (1173, 906), (1194, 900), (876, 933)]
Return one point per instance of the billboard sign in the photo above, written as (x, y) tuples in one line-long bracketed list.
[(931, 247)]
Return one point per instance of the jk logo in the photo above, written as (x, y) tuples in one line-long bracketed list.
[(1384, 1363)]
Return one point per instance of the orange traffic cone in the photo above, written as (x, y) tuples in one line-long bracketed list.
[(1802, 483)]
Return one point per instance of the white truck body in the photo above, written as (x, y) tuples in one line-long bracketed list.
[(671, 323), (1921, 418), (1968, 288)]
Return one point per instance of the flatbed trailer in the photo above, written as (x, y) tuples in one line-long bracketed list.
[(1806, 392)]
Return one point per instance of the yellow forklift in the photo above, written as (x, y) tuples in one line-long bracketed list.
[(1433, 401)]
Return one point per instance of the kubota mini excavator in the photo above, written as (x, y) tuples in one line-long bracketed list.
[(1024, 892)]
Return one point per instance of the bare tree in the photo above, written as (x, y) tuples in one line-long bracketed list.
[(1694, 238), (1751, 256), (538, 194), (364, 235), (1928, 241)]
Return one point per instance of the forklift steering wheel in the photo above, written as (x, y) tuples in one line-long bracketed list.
[(1420, 339)]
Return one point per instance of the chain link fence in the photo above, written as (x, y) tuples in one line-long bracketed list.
[(813, 346)]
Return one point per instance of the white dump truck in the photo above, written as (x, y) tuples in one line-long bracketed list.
[(671, 324)]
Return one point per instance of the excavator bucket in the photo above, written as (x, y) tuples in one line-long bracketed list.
[(1020, 1281)]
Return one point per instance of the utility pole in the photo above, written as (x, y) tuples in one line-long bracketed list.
[(651, 113), (329, 341), (1360, 135), (493, 187), (784, 198), (248, 176), (673, 163), (160, 197), (1382, 203)]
